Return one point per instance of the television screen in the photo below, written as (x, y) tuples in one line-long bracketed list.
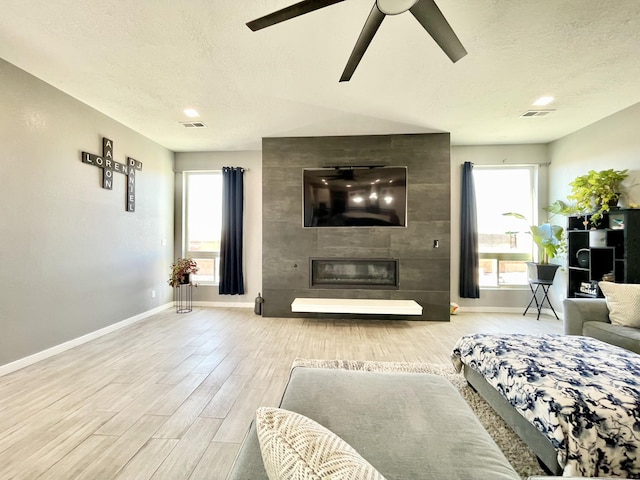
[(355, 197)]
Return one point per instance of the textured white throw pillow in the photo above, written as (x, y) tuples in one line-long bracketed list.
[(295, 447), (623, 301)]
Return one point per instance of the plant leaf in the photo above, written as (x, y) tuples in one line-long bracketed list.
[(514, 214)]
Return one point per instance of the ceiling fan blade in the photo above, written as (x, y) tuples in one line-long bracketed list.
[(366, 35), (431, 18), (288, 13)]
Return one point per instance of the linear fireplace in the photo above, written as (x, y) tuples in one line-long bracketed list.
[(371, 273)]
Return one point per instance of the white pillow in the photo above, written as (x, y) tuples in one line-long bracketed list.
[(623, 301), (295, 447)]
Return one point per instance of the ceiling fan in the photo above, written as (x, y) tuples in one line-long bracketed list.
[(425, 11)]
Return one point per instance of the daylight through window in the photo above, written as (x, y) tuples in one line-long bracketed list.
[(503, 242), (203, 220)]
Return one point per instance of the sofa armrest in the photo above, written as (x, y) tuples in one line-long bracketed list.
[(580, 310)]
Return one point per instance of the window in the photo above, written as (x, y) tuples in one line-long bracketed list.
[(503, 242), (202, 223)]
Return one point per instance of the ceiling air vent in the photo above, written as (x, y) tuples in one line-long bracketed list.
[(193, 125), (536, 113)]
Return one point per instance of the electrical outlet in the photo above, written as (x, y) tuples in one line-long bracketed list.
[(153, 294)]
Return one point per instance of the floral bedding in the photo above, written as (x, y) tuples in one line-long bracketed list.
[(581, 393)]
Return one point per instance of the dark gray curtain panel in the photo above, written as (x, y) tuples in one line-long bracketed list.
[(469, 261), (231, 276)]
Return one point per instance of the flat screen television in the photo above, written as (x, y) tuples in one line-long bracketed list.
[(355, 197)]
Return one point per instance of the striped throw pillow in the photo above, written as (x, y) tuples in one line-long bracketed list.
[(623, 301), (295, 447)]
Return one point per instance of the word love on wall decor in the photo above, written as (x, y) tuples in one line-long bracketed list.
[(108, 166)]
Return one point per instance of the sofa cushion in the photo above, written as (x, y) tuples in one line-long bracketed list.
[(623, 301), (295, 447), (625, 337), (407, 425)]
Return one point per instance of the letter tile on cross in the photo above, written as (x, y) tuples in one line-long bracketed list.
[(107, 170), (108, 166), (131, 183)]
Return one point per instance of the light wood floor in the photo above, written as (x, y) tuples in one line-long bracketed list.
[(171, 397)]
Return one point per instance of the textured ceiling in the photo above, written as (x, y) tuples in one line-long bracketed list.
[(143, 62)]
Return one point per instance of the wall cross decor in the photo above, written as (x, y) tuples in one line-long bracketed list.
[(108, 166)]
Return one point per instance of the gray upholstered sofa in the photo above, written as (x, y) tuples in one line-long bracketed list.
[(590, 317), (407, 425)]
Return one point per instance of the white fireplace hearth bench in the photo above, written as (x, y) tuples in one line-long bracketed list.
[(356, 306)]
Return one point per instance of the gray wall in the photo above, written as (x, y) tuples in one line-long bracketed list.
[(613, 142), (73, 260), (287, 246), (252, 162)]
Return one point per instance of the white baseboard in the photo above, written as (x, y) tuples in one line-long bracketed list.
[(224, 304), (50, 352), (546, 311), (490, 309)]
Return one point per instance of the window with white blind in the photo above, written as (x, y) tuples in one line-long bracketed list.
[(504, 243)]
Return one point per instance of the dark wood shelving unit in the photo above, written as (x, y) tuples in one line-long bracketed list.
[(619, 253)]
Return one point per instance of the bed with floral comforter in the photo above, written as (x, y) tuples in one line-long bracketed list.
[(581, 393)]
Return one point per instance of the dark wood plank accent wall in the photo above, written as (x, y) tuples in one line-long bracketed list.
[(286, 246)]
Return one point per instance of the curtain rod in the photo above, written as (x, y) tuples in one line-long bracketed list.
[(498, 165), (241, 168), (200, 170)]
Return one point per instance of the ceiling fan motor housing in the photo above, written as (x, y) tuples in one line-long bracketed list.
[(395, 7)]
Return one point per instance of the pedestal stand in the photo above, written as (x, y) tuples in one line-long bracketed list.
[(545, 297), (183, 298)]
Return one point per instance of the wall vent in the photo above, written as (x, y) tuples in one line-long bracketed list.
[(193, 125), (536, 113)]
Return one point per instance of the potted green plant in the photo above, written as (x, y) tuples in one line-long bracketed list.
[(549, 238), (550, 242), (180, 271), (596, 192)]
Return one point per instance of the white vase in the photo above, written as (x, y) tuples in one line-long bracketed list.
[(597, 238)]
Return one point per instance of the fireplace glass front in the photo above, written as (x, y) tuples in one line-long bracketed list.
[(373, 273)]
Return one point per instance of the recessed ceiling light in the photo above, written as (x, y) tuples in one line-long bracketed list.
[(542, 101), (191, 112)]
